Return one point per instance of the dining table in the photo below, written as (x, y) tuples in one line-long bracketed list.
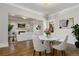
[(49, 38), (48, 41)]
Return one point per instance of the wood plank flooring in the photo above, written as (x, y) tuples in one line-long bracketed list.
[(21, 49)]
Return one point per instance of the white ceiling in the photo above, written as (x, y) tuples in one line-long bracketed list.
[(46, 8)]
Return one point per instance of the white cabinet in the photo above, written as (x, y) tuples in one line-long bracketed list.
[(25, 36)]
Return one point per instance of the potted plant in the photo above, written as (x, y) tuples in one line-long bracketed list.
[(9, 28), (76, 33)]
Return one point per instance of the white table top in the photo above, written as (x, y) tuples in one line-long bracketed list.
[(42, 37)]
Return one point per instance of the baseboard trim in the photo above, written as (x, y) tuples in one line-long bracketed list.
[(2, 45)]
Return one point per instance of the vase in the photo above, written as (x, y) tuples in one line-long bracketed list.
[(47, 35)]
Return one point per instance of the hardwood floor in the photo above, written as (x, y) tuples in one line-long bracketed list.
[(21, 49)]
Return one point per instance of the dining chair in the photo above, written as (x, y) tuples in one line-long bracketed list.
[(38, 46), (61, 47)]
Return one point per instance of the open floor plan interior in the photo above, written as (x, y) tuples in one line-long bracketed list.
[(39, 29)]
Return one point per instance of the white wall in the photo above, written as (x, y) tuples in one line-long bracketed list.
[(3, 26), (65, 14)]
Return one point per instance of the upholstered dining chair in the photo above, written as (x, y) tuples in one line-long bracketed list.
[(61, 47), (38, 46)]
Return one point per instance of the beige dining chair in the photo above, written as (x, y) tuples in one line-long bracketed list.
[(38, 46), (61, 47)]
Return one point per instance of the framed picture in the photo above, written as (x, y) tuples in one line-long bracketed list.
[(66, 23), (21, 25)]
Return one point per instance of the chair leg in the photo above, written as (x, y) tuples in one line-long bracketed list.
[(56, 52), (45, 53), (63, 53), (33, 52), (53, 51), (39, 53)]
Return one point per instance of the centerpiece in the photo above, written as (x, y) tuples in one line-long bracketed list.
[(47, 32)]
